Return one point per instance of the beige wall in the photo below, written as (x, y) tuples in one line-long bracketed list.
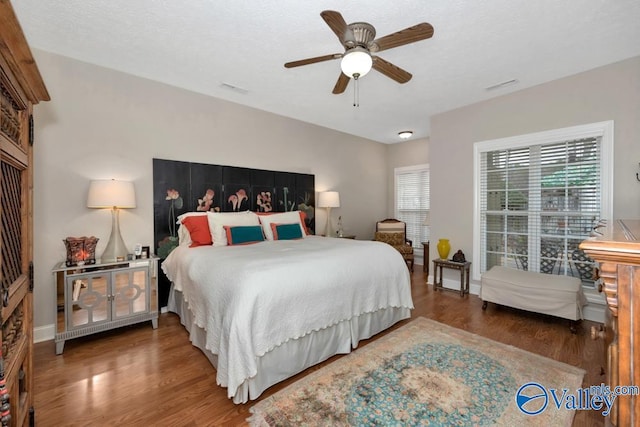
[(607, 93), (408, 153), (106, 124), (103, 124)]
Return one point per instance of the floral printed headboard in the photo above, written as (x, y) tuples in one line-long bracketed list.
[(180, 187)]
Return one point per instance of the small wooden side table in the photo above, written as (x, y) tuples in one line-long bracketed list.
[(464, 267), (425, 262)]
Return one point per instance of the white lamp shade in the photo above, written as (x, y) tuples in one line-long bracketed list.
[(329, 199), (111, 194), (356, 61)]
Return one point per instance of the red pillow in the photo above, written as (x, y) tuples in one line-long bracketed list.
[(198, 227), (303, 217)]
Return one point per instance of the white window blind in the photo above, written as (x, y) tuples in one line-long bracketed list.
[(537, 203), (412, 201)]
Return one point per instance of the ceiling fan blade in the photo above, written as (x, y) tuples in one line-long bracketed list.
[(312, 60), (392, 71), (341, 84), (408, 35), (336, 22)]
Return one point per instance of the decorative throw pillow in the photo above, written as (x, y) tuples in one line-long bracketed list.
[(217, 221), (303, 221), (282, 218), (198, 227), (286, 231), (243, 234), (394, 239), (184, 238)]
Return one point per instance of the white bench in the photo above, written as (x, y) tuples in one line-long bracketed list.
[(550, 294)]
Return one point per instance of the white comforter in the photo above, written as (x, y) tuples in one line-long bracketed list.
[(253, 298)]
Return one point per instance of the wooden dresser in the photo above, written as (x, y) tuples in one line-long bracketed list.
[(617, 251), (21, 86)]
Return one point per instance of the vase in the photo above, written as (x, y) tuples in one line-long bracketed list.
[(443, 248)]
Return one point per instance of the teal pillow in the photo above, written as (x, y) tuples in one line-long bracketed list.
[(286, 231), (243, 234)]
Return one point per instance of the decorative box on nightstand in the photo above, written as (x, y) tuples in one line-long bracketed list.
[(103, 296)]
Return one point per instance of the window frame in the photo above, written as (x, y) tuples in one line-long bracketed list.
[(603, 130)]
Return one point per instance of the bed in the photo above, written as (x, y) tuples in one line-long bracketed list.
[(265, 311)]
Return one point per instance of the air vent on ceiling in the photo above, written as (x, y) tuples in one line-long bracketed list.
[(502, 84), (234, 88)]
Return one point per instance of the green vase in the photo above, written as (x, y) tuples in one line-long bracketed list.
[(444, 248)]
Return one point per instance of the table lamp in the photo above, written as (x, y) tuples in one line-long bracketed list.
[(328, 200), (114, 195)]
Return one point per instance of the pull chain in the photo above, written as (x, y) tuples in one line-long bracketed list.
[(356, 91)]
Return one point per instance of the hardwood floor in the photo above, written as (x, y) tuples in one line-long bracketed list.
[(139, 376)]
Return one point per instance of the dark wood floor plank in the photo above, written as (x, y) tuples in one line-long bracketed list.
[(141, 376)]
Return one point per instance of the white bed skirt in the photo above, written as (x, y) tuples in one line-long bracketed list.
[(286, 360)]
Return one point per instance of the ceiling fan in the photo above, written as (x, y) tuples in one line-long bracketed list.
[(359, 43)]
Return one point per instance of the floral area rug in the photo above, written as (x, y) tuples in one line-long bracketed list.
[(423, 373)]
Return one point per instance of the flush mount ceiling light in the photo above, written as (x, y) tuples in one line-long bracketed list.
[(405, 134), (356, 62)]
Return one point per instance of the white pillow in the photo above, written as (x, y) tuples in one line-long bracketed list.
[(290, 217), (184, 238), (186, 214), (217, 221)]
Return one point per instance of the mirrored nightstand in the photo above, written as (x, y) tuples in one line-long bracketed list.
[(103, 296)]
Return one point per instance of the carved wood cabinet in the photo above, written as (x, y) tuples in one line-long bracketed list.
[(617, 252), (21, 87)]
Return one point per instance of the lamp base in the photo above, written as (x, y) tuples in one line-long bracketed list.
[(116, 249), (328, 231)]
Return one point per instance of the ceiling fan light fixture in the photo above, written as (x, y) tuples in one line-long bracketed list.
[(356, 62), (405, 134)]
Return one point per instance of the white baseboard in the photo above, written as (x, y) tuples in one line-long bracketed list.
[(44, 333), (48, 332), (596, 306), (594, 312), (454, 285)]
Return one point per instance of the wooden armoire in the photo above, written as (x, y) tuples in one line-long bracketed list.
[(21, 87), (617, 252)]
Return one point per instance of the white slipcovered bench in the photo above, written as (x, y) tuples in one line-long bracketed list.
[(550, 294)]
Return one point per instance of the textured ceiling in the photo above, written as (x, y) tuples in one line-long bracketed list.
[(201, 45)]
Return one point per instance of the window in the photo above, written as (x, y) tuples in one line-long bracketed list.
[(538, 196), (412, 201)]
